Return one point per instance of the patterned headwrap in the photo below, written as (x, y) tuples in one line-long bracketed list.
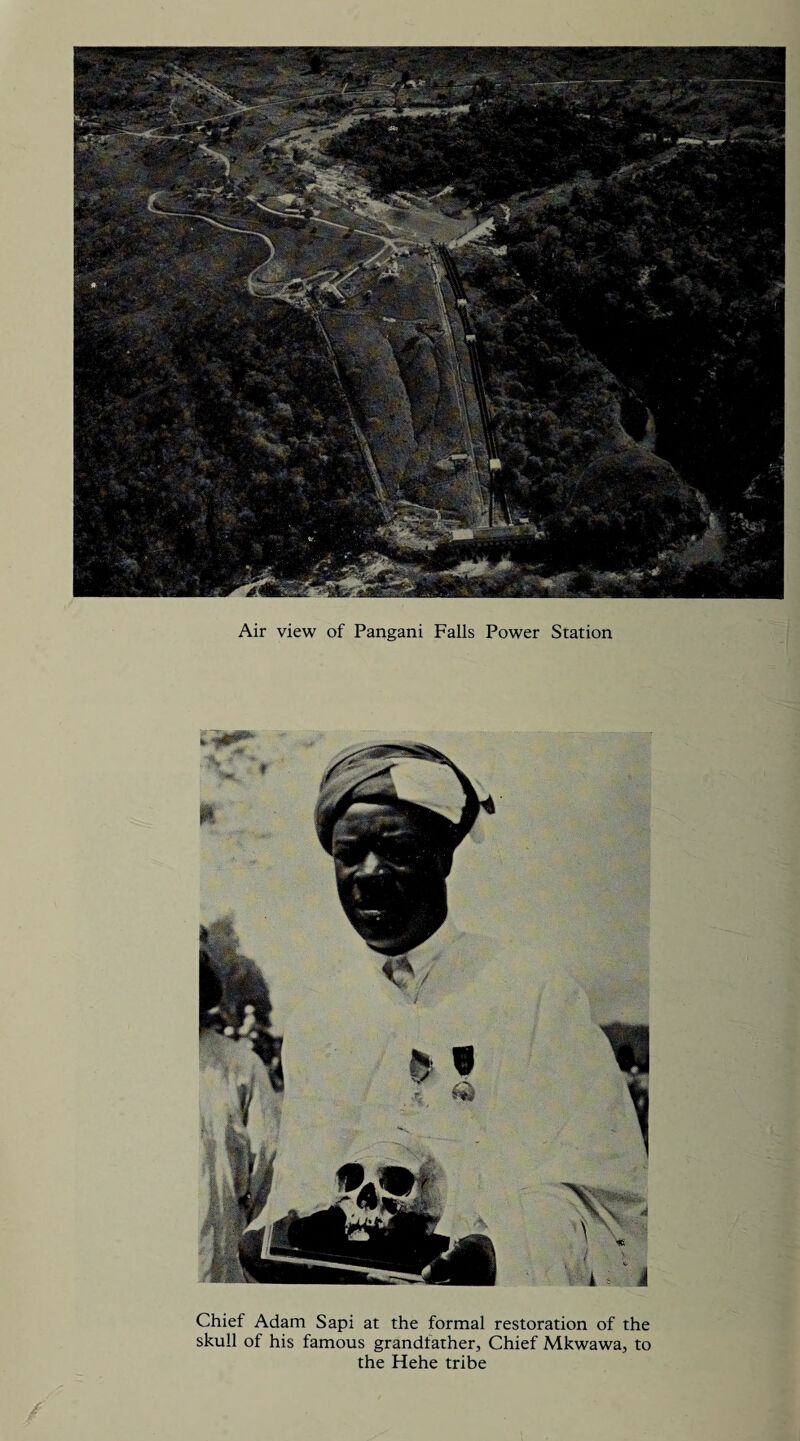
[(400, 771)]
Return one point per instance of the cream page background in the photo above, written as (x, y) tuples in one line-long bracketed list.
[(108, 699)]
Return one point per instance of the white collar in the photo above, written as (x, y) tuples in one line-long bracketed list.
[(422, 958)]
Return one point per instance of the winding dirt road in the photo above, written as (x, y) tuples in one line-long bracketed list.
[(219, 225), (257, 284)]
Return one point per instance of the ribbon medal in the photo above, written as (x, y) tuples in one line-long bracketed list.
[(420, 1067), (464, 1061)]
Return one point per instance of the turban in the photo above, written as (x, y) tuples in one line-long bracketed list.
[(399, 771)]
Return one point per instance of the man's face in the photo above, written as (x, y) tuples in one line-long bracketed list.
[(391, 867)]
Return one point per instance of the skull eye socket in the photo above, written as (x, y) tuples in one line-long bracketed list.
[(350, 1176), (396, 1180)]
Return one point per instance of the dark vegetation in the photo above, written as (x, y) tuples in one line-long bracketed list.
[(499, 146), (208, 429), (673, 276), (567, 462), (639, 276), (642, 286), (234, 454)]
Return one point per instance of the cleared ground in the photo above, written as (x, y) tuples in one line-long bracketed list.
[(395, 360)]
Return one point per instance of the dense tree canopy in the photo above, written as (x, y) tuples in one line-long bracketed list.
[(674, 277), (230, 454), (498, 146), (632, 292)]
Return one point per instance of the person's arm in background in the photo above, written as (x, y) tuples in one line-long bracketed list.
[(261, 1117)]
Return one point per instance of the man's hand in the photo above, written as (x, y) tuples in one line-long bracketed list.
[(471, 1262)]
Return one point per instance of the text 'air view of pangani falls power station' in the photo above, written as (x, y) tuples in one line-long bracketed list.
[(429, 322)]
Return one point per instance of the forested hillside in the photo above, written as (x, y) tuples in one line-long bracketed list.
[(500, 146), (277, 378), (232, 452), (673, 276)]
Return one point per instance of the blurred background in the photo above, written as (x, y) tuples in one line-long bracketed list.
[(564, 866)]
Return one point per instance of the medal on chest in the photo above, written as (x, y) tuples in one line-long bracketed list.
[(420, 1067), (464, 1061)]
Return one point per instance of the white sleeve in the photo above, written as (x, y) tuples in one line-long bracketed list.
[(565, 1162)]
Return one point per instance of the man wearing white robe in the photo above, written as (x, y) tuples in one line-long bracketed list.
[(552, 1167)]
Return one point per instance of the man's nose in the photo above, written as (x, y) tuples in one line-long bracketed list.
[(372, 864)]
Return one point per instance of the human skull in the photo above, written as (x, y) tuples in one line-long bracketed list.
[(385, 1183)]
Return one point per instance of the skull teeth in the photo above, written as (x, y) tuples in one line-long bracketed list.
[(355, 1230)]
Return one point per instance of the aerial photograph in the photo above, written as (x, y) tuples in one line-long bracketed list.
[(429, 322)]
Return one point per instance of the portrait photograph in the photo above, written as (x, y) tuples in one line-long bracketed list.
[(424, 1033)]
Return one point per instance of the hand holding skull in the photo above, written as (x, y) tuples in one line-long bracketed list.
[(470, 1262)]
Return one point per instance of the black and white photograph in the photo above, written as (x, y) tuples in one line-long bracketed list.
[(429, 322), (424, 1008)]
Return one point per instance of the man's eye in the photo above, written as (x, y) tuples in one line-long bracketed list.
[(345, 855)]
